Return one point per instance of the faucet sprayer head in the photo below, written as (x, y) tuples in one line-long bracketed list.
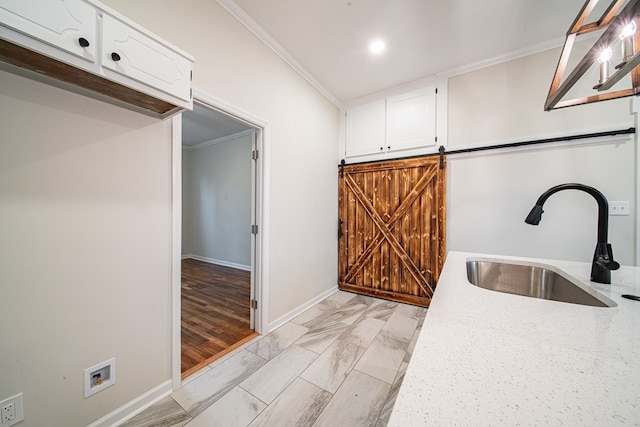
[(535, 215)]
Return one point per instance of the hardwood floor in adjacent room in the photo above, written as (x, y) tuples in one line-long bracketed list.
[(215, 312)]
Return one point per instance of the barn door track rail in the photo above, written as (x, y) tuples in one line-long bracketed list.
[(442, 151)]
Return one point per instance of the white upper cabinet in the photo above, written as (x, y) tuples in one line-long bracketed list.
[(69, 25), (411, 120), (366, 128), (401, 122), (98, 51), (128, 52)]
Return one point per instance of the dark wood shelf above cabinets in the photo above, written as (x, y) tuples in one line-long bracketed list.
[(79, 80)]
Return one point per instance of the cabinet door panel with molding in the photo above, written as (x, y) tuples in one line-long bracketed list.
[(366, 129), (69, 25), (130, 53), (411, 120), (397, 125)]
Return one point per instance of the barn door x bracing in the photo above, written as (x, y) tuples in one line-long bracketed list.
[(392, 229)]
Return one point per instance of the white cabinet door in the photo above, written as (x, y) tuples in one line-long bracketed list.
[(411, 120), (366, 129), (69, 25), (129, 52)]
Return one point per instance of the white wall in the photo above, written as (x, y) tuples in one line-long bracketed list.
[(490, 194), (85, 215), (186, 201), (85, 248), (217, 217), (233, 65)]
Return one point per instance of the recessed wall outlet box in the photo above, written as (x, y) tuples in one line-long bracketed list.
[(99, 377), (619, 208), (11, 410)]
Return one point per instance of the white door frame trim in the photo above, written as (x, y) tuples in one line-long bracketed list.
[(635, 112), (261, 267), (176, 248)]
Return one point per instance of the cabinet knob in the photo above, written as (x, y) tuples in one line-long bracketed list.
[(388, 147), (83, 42), (381, 148), (115, 56)]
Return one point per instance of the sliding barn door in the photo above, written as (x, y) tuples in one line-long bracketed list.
[(392, 229)]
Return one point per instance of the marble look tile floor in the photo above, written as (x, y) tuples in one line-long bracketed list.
[(341, 362)]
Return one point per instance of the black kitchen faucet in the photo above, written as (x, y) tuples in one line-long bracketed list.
[(603, 261)]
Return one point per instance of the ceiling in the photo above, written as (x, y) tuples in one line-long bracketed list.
[(327, 42), (329, 39), (206, 125)]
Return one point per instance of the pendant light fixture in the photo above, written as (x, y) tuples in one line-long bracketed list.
[(618, 23)]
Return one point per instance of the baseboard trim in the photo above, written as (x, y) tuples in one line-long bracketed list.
[(298, 310), (135, 406), (218, 262), (147, 399)]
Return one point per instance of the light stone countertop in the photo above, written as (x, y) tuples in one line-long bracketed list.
[(490, 358)]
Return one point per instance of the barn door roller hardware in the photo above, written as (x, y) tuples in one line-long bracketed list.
[(619, 25)]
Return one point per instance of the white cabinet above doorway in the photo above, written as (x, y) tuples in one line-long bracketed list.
[(402, 122), (86, 47)]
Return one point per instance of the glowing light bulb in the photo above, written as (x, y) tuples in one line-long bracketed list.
[(603, 59), (628, 48), (377, 47), (628, 30), (605, 55)]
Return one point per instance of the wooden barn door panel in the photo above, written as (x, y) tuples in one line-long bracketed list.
[(392, 240)]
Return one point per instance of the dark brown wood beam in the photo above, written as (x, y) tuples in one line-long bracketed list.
[(74, 77)]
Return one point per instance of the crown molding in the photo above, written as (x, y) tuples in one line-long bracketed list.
[(242, 16), (238, 13), (516, 54)]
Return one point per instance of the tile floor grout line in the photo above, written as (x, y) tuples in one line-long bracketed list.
[(321, 338)]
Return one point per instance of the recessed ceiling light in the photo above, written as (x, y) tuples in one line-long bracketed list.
[(377, 47)]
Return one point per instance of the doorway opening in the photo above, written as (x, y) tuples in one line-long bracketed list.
[(219, 261)]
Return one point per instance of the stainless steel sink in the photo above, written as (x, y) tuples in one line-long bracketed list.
[(531, 280)]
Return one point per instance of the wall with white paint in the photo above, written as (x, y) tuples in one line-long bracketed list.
[(217, 211), (85, 215), (186, 201), (85, 243), (232, 64), (490, 194)]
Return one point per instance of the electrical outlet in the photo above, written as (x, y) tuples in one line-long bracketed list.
[(11, 411), (8, 412), (619, 208)]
